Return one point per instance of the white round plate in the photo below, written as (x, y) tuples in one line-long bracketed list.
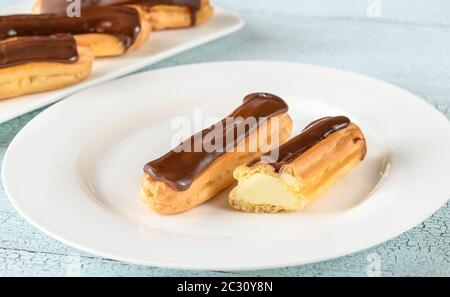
[(74, 170)]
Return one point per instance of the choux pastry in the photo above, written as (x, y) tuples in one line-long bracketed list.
[(108, 31), (303, 168), (37, 64), (163, 14), (185, 178)]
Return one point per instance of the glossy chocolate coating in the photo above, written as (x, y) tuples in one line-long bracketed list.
[(61, 6), (179, 168), (311, 135), (60, 49), (122, 22)]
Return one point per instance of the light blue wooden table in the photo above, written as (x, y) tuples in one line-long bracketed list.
[(408, 44)]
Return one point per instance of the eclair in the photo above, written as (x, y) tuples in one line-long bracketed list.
[(37, 64), (108, 31), (191, 174), (297, 172), (163, 14)]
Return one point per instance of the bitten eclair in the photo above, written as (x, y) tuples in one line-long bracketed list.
[(190, 174), (108, 31), (302, 168), (163, 14), (37, 64)]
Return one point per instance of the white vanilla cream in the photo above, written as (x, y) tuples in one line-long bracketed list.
[(263, 189)]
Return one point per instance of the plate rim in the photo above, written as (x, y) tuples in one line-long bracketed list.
[(203, 267)]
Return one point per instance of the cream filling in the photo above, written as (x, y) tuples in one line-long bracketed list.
[(263, 189)]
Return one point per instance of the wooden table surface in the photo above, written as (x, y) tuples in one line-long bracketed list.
[(403, 42)]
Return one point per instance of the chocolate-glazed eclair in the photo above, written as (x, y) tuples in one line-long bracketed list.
[(191, 174), (36, 64), (300, 169), (163, 14), (109, 31)]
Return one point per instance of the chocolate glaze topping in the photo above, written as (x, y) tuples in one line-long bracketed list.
[(179, 168), (61, 6), (58, 48), (122, 22), (311, 135)]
